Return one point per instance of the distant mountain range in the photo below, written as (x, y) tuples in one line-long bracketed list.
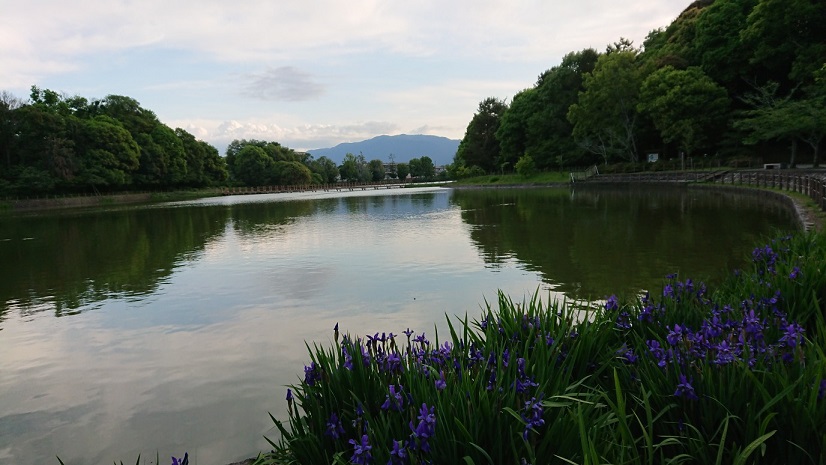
[(403, 147)]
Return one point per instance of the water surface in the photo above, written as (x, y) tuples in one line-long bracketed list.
[(175, 327)]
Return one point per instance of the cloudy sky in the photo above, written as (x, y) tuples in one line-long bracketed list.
[(307, 73)]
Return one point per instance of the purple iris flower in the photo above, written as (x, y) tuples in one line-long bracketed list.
[(394, 401), (334, 427), (181, 461), (425, 430), (612, 304), (532, 416), (441, 384), (793, 335), (725, 353), (685, 389), (623, 321), (398, 454), (348, 359), (312, 374), (795, 273), (361, 451), (675, 335), (658, 353)]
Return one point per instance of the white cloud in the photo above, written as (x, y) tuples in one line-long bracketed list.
[(301, 137), (263, 29), (285, 83), (319, 72)]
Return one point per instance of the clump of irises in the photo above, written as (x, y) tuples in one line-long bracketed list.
[(689, 374)]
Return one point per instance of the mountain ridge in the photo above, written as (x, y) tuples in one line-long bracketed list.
[(403, 147)]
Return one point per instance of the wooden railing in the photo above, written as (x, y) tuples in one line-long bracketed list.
[(808, 184)]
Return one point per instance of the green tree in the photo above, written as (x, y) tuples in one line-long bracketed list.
[(354, 168), (537, 123), (376, 170), (606, 111), (163, 159), (479, 147), (426, 167), (215, 166), (253, 167), (673, 45), (788, 39), (685, 106), (203, 164), (326, 168), (44, 141), (720, 51), (173, 155), (128, 112), (272, 150), (108, 155), (402, 170), (8, 127), (292, 173), (415, 165), (513, 134), (785, 119)]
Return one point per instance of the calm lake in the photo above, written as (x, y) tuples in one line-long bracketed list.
[(176, 327)]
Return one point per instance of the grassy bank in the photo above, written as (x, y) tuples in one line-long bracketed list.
[(689, 374), (107, 200), (538, 179), (176, 196)]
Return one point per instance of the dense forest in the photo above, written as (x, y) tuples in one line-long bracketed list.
[(56, 143), (729, 81), (59, 144)]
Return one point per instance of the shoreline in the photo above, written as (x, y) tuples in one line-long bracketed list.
[(58, 203), (808, 215)]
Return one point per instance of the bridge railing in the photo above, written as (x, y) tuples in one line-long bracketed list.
[(339, 186)]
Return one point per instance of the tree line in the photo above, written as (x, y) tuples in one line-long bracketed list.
[(260, 163), (725, 80), (54, 143)]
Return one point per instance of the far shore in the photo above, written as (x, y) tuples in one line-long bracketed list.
[(808, 213)]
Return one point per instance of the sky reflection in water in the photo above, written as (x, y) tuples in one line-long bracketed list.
[(181, 324)]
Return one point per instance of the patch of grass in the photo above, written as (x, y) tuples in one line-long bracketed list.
[(184, 195), (550, 177)]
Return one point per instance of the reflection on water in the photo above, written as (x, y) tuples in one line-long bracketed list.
[(63, 262), (598, 240), (188, 319)]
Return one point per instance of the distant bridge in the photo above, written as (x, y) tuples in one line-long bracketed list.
[(339, 186)]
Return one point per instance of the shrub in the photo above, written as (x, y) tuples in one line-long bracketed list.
[(526, 166)]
